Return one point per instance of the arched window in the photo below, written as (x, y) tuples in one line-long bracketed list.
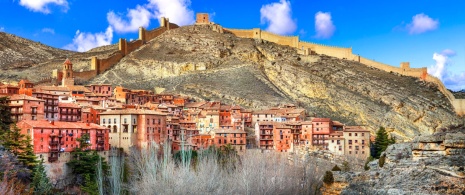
[(114, 129)]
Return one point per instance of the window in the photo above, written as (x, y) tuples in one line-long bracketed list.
[(355, 134), (28, 131), (332, 141), (363, 142), (363, 134), (356, 141), (350, 141), (103, 121), (125, 121), (350, 147), (114, 120), (350, 134)]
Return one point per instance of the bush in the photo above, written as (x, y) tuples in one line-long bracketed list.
[(328, 178), (336, 168), (345, 166), (382, 160), (369, 159)]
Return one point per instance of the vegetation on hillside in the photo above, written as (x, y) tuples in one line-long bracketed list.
[(382, 141)]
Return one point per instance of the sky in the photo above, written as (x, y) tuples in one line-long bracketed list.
[(425, 33)]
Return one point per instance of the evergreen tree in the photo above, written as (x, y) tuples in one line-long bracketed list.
[(20, 146), (40, 182), (5, 115), (90, 186), (84, 161), (382, 141)]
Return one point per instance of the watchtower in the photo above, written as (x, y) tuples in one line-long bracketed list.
[(68, 78), (202, 18)]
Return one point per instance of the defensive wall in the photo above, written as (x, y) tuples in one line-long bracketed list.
[(308, 48), (98, 66)]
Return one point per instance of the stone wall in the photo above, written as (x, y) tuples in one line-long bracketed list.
[(149, 35), (85, 75), (240, 32), (439, 145)]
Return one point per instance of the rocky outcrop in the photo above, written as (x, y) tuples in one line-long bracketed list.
[(207, 65), (431, 164)]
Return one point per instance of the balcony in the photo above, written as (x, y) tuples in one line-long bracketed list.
[(100, 134), (52, 143), (34, 112), (100, 148), (100, 141), (52, 159), (54, 149)]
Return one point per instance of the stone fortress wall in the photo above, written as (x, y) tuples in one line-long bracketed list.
[(98, 66), (307, 48)]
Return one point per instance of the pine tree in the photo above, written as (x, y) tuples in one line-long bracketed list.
[(40, 182), (84, 161), (5, 115), (20, 146), (382, 141)]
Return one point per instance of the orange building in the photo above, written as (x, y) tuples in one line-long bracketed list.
[(25, 87), (53, 138), (25, 107), (282, 137)]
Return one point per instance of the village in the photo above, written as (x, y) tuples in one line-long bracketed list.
[(119, 118)]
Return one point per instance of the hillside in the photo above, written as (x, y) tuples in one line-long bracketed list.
[(196, 61), (22, 58)]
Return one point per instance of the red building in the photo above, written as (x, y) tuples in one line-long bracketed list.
[(51, 104), (321, 129), (236, 138), (24, 107), (102, 89), (8, 89), (52, 138), (69, 112), (25, 87)]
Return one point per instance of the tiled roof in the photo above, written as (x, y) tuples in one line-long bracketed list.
[(321, 120), (68, 105), (67, 62), (24, 97), (265, 123), (355, 129), (228, 131), (61, 124), (131, 111)]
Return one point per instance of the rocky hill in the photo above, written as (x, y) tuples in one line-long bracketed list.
[(207, 65), (22, 58), (432, 164)]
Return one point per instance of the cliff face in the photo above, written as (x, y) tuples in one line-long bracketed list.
[(207, 65), (431, 164)]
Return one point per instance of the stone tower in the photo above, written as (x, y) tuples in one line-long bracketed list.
[(68, 78)]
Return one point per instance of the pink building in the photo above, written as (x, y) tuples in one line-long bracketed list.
[(25, 107)]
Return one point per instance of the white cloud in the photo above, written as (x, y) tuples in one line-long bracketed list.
[(177, 11), (48, 30), (83, 41), (440, 70), (422, 23), (279, 17), (324, 26), (137, 17), (43, 5)]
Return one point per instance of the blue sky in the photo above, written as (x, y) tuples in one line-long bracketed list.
[(427, 34)]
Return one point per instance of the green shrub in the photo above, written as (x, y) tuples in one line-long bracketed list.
[(381, 161), (336, 168), (345, 166), (369, 159), (328, 178)]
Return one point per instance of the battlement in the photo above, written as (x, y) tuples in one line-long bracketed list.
[(202, 18)]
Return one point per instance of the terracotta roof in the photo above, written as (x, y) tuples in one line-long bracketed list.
[(24, 97), (306, 122), (52, 88), (68, 62), (355, 129), (61, 124), (321, 120), (337, 123), (228, 131), (78, 88), (131, 111), (68, 105), (265, 123)]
